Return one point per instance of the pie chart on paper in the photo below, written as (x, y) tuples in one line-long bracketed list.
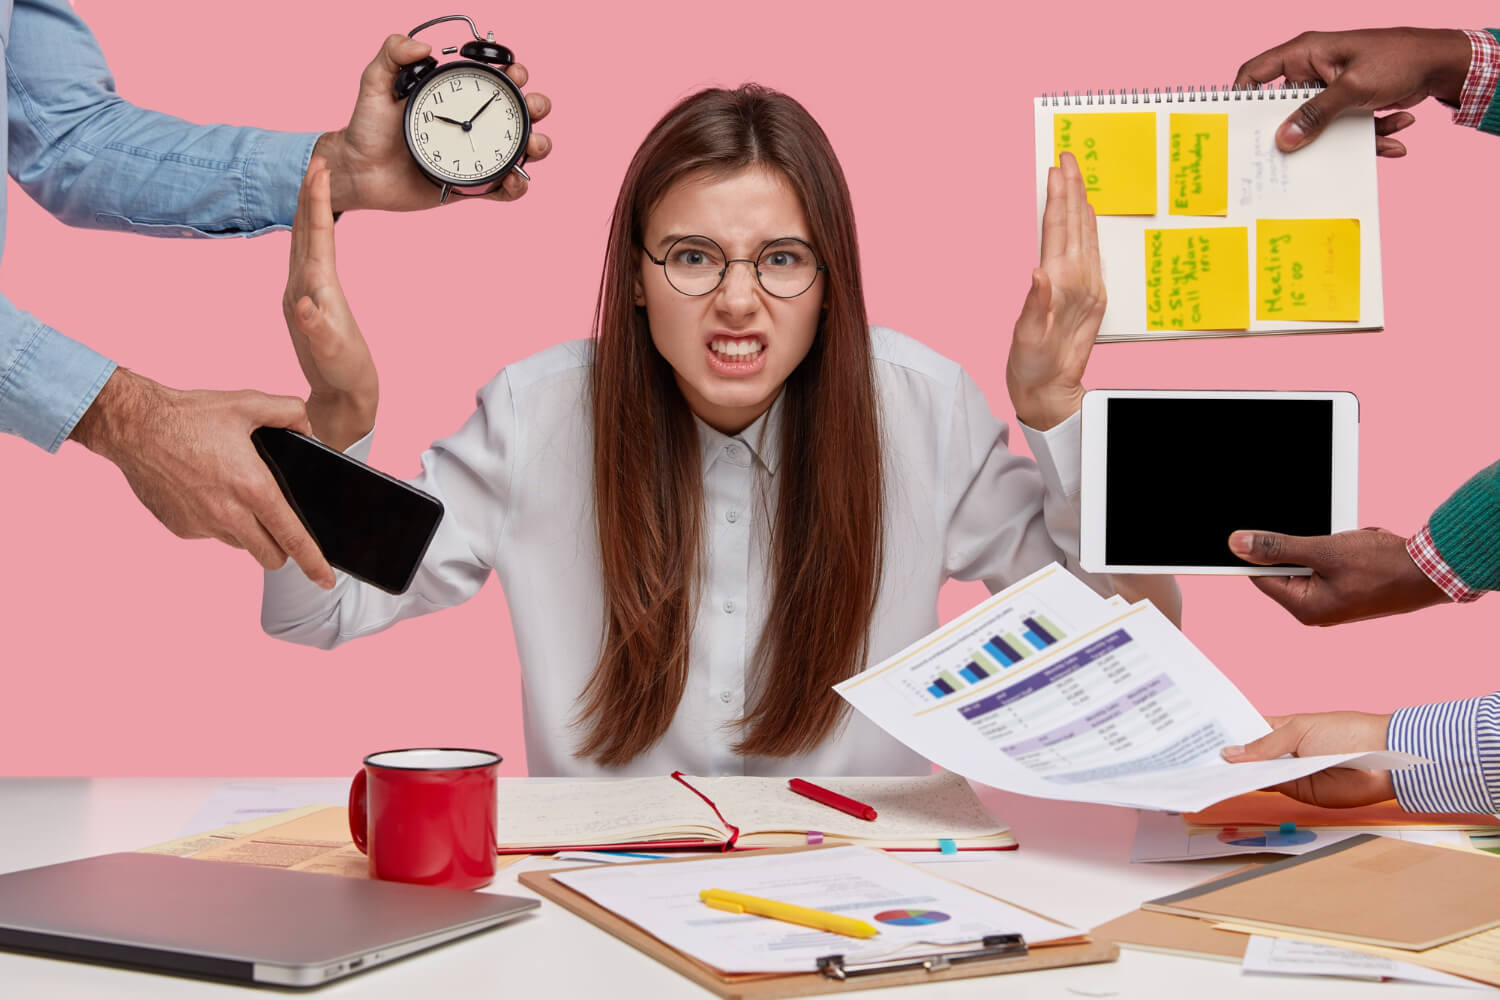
[(1267, 838), (911, 918)]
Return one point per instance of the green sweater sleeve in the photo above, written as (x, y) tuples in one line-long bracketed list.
[(1466, 529), (1491, 123)]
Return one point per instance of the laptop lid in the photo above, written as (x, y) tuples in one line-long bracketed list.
[(231, 921)]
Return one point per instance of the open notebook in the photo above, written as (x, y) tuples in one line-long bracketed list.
[(1205, 228), (538, 817)]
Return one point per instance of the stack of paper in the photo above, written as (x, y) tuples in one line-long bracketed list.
[(1050, 690)]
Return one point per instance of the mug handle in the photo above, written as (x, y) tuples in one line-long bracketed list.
[(358, 814)]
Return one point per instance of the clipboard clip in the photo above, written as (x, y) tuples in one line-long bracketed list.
[(993, 947)]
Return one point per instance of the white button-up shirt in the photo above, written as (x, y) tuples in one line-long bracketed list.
[(517, 484)]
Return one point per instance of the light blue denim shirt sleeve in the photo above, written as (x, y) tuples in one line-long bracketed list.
[(93, 159)]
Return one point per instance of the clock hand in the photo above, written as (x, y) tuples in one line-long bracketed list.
[(450, 121), (483, 106)]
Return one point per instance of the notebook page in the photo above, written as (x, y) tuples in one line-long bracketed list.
[(1331, 179), (567, 813), (919, 808)]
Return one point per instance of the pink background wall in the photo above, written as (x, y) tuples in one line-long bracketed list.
[(126, 651)]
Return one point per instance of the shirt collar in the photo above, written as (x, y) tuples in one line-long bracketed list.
[(762, 439)]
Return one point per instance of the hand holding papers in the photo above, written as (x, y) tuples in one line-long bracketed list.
[(1047, 689)]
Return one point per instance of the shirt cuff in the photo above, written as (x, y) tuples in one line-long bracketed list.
[(47, 385), (1059, 454), (1424, 553), (1479, 85), (273, 176), (1462, 739), (361, 449)]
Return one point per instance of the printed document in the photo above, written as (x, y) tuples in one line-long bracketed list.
[(1047, 689), (914, 911)]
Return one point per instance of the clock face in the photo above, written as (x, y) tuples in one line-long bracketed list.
[(466, 124)]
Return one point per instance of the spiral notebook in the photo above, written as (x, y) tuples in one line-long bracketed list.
[(1206, 229)]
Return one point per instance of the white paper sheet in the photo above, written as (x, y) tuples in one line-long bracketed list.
[(236, 801), (1284, 956), (913, 909), (1115, 707), (1161, 836)]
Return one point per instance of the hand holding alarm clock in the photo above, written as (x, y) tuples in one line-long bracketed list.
[(373, 165), (466, 122)]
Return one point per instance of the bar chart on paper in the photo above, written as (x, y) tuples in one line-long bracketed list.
[(984, 645), (998, 652)]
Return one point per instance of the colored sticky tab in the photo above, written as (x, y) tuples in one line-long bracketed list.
[(947, 846), (1117, 154), (1289, 828), (814, 837), (1197, 279), (1199, 182), (1307, 269)]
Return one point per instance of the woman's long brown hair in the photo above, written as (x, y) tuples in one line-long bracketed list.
[(826, 535)]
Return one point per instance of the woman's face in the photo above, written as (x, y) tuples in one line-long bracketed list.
[(733, 348)]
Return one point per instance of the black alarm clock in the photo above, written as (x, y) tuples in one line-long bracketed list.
[(466, 122)]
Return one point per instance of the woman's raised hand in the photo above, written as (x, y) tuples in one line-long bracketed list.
[(341, 376), (1061, 315)]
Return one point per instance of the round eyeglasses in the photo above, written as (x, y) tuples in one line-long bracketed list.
[(696, 265)]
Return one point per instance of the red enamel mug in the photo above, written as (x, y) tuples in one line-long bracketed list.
[(427, 816)]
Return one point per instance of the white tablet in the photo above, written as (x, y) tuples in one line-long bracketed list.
[(1167, 475)]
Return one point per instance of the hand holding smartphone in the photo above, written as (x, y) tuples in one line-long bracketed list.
[(371, 526)]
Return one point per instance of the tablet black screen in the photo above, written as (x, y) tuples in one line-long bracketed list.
[(1184, 473)]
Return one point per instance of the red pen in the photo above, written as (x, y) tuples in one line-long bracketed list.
[(842, 803)]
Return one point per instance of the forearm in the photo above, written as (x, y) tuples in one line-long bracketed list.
[(47, 381), (93, 159), (1462, 739), (1465, 531)]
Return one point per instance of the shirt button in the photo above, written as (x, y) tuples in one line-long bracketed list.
[(732, 516), (733, 451), (729, 607), (726, 696)]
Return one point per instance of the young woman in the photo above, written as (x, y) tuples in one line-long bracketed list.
[(739, 493)]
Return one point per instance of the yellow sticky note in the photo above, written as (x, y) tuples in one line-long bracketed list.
[(1117, 154), (1200, 165), (1197, 279), (1307, 269)]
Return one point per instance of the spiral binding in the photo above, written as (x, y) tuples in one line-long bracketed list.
[(1180, 95)]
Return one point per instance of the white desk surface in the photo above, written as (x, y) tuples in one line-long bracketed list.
[(1073, 865)]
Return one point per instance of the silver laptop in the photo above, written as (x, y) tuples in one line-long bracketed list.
[(232, 922)]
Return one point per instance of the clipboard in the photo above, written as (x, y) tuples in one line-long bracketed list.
[(766, 986)]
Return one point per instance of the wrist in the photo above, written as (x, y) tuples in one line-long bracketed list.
[(333, 148), (1043, 411), (1449, 64), (124, 400), (340, 419)]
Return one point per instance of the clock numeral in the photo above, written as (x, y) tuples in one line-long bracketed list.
[(437, 97), (456, 85), (456, 167), (476, 83), (478, 167), (424, 138), (508, 136), (510, 112), (500, 156), (426, 117), (436, 157)]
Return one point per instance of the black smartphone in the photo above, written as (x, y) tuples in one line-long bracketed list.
[(367, 524)]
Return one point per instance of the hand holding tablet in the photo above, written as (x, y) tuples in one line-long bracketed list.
[(1169, 475)]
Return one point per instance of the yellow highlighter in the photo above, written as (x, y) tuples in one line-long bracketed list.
[(738, 902)]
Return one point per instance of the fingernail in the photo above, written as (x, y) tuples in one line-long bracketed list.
[(1291, 135), (1232, 751), (1242, 542)]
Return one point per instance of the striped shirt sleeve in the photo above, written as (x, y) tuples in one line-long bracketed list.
[(1462, 739)]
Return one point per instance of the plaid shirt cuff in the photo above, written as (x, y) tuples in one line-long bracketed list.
[(1479, 85), (1425, 554)]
